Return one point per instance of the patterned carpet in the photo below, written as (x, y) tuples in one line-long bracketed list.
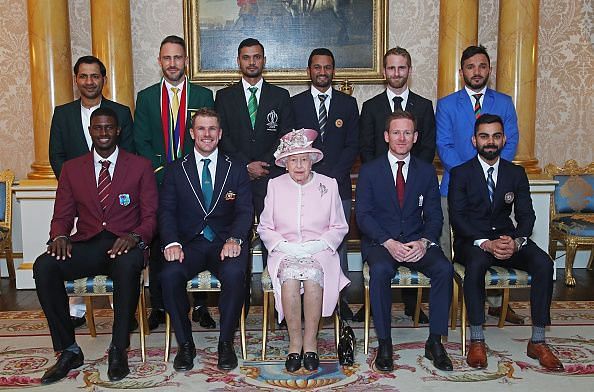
[(25, 352)]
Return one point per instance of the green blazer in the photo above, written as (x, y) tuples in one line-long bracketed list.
[(148, 131), (67, 138)]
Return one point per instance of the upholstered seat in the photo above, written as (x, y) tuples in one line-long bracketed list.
[(577, 225), (500, 277), (204, 281)]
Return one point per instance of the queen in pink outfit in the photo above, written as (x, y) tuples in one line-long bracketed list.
[(302, 225)]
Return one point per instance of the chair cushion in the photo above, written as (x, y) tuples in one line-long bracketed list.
[(500, 276), (404, 277), (94, 285), (579, 226), (266, 281), (204, 281), (574, 194)]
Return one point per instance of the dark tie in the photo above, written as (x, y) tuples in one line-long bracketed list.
[(253, 105), (322, 115), (103, 184), (400, 184), (397, 103), (477, 105), (490, 183), (207, 193)]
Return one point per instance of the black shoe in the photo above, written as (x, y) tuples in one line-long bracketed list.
[(67, 361), (227, 358), (345, 312), (133, 324), (293, 362), (157, 317), (117, 364), (423, 319), (435, 352), (184, 359), (77, 321), (360, 315), (311, 361), (202, 316), (383, 359)]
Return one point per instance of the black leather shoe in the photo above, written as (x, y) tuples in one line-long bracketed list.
[(157, 317), (67, 361), (293, 362), (435, 352), (77, 321), (423, 319), (311, 361), (383, 359), (117, 364), (184, 359), (133, 324), (227, 358), (202, 316), (345, 312), (360, 315)]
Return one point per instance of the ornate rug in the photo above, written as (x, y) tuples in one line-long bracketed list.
[(25, 353)]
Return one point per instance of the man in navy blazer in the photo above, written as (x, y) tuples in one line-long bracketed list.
[(399, 215), (482, 194), (205, 214), (339, 136)]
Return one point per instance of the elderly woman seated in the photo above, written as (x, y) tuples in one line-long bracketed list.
[(302, 225)]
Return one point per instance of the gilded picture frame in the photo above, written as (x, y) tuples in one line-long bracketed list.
[(354, 30)]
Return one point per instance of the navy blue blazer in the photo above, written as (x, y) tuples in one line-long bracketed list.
[(471, 215), (182, 215), (378, 212), (341, 139)]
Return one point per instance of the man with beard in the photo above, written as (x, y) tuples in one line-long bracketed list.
[(397, 96), (335, 116), (70, 137), (162, 134), (455, 117), (483, 192)]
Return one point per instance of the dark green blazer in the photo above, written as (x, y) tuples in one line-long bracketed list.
[(67, 138), (148, 131)]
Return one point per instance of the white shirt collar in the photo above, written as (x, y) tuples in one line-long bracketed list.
[(394, 167), (179, 86), (486, 167), (315, 92), (112, 158), (246, 85), (391, 96), (471, 94)]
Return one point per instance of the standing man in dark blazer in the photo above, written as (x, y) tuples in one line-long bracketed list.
[(335, 116), (162, 134), (399, 214), (482, 194), (114, 195), (205, 213), (397, 96)]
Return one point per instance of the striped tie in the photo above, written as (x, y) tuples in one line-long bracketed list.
[(477, 105), (103, 183), (253, 105), (322, 115), (490, 183)]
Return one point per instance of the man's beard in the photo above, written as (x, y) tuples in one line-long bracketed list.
[(489, 155)]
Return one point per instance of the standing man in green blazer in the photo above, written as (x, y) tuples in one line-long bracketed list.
[(162, 134)]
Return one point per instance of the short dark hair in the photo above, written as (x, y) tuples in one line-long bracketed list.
[(487, 118), (320, 52), (247, 43), (472, 51), (103, 111), (397, 114), (398, 51), (205, 112), (173, 39), (90, 60)]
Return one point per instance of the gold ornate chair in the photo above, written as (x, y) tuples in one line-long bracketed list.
[(572, 213), (6, 180)]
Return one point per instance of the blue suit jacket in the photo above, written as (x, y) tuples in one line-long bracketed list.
[(454, 118), (182, 215), (341, 139), (378, 212)]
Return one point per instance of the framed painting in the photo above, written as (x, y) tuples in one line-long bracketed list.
[(354, 30)]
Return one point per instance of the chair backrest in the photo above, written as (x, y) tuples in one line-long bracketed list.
[(6, 180), (575, 192)]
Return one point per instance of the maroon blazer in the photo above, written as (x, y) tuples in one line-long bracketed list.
[(133, 199)]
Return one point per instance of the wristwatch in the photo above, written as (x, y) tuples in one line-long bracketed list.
[(136, 237), (521, 242), (428, 244), (238, 241)]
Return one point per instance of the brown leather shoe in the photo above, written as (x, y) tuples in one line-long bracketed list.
[(545, 356), (510, 317), (477, 355)]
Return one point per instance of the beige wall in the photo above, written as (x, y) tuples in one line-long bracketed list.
[(565, 80)]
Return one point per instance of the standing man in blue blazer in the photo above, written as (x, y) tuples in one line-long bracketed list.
[(399, 215), (335, 116)]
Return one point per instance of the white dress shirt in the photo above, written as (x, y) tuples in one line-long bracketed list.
[(180, 86), (248, 93), (212, 166), (471, 93), (394, 165), (112, 159), (404, 97), (314, 93), (85, 115), (485, 166)]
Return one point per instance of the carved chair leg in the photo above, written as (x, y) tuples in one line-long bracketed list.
[(571, 248), (90, 316)]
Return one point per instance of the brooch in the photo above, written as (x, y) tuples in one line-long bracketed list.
[(230, 195), (323, 189)]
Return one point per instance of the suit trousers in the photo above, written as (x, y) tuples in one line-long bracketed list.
[(89, 258), (382, 268), (201, 255), (530, 258)]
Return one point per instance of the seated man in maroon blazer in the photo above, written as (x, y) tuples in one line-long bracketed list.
[(114, 195)]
